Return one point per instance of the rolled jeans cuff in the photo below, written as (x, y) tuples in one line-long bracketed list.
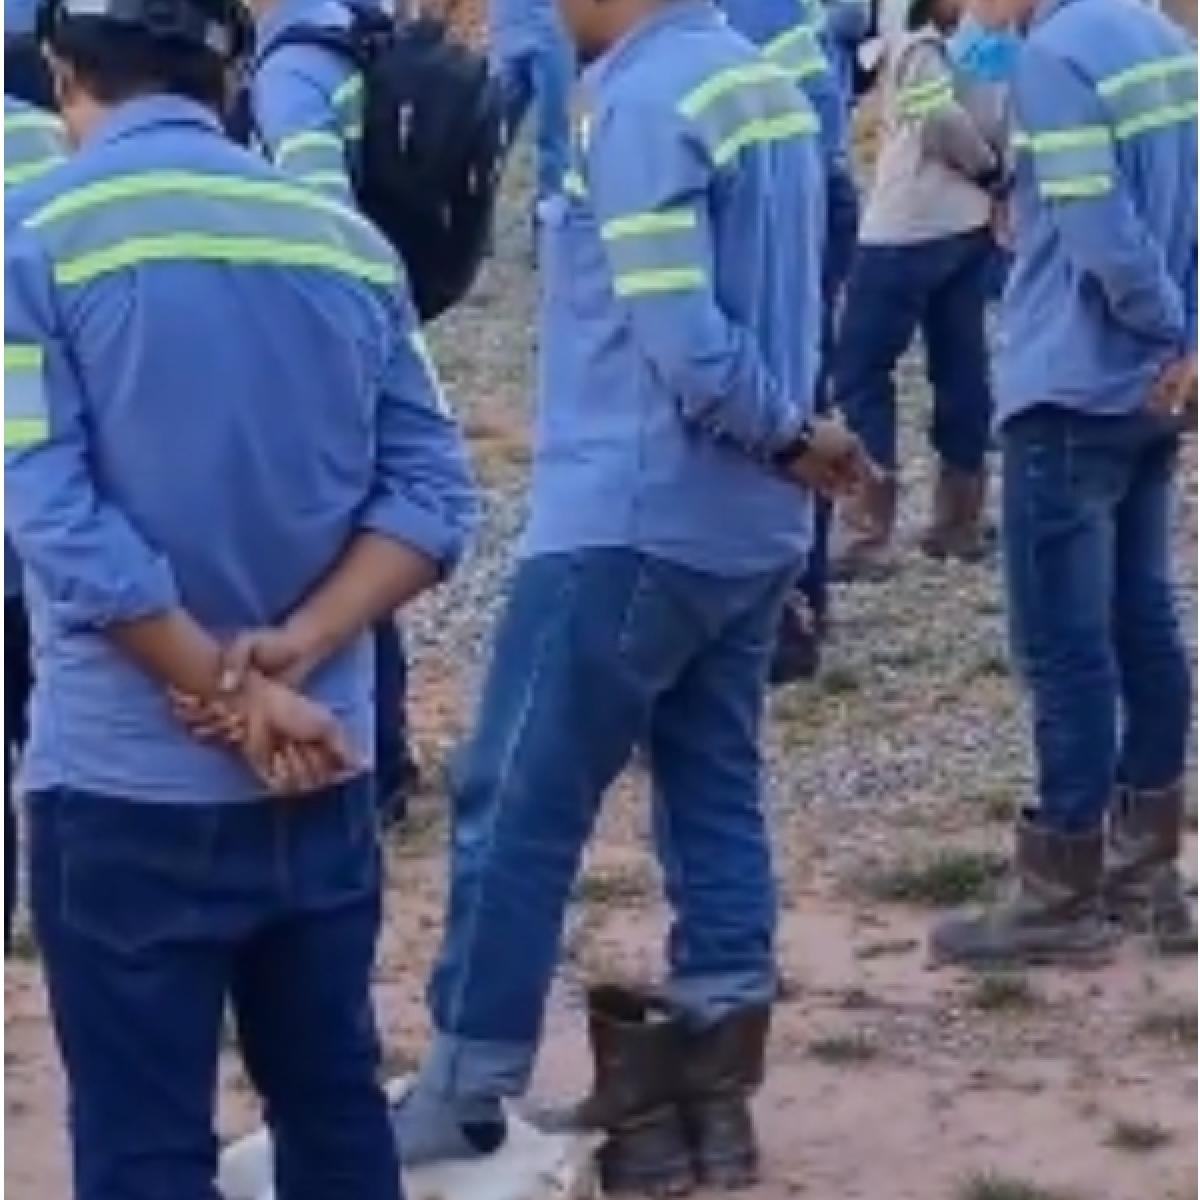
[(458, 1068)]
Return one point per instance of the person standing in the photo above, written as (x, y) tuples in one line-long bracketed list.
[(533, 62), (925, 261), (1096, 381), (671, 501), (306, 105), (216, 418), (34, 143)]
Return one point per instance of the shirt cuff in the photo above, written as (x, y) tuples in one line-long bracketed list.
[(126, 594), (426, 532)]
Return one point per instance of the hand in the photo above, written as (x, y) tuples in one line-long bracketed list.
[(293, 744), (283, 654), (215, 721), (1173, 395), (835, 463)]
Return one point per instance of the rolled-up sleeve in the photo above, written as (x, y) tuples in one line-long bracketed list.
[(92, 565), (424, 494)]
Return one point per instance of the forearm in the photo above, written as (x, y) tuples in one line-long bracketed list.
[(173, 650), (375, 576)]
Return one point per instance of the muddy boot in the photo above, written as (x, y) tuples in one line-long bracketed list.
[(637, 1049), (957, 528), (1052, 913), (723, 1067), (1143, 887), (866, 524)]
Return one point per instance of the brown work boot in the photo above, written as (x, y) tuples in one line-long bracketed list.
[(957, 528), (866, 523), (637, 1049), (1052, 913), (1143, 887), (723, 1067)]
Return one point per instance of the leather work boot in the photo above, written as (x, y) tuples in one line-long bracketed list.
[(1052, 913), (957, 528), (637, 1048), (723, 1067), (1143, 887), (866, 524)]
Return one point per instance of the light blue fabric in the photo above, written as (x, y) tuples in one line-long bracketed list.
[(984, 54), (679, 355), (20, 16), (216, 431), (1103, 288)]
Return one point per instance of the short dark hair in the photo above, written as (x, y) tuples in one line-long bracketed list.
[(115, 63)]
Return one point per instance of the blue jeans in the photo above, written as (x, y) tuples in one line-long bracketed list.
[(599, 651), (940, 287), (1087, 516), (394, 765), (541, 76), (152, 919)]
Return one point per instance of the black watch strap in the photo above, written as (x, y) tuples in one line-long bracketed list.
[(797, 447)]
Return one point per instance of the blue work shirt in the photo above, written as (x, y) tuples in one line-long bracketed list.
[(213, 381), (1103, 288), (682, 305), (308, 101), (34, 143), (792, 35)]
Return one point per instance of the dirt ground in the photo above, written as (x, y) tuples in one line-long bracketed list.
[(894, 781)]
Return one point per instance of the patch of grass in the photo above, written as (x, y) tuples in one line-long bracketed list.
[(1137, 1137), (1176, 1025), (1004, 992), (840, 681), (886, 948), (844, 1049), (946, 878), (988, 1185), (615, 886), (995, 803)]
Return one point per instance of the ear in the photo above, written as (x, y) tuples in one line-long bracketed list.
[(66, 82)]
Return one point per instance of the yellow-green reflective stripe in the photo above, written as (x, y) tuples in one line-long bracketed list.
[(1159, 69), (1080, 188), (421, 349), (155, 183), (312, 139), (348, 91), (19, 122), (645, 283), (20, 432), (22, 357), (205, 247), (926, 87), (927, 104), (699, 98), (338, 179), (353, 132), (1174, 114), (801, 33), (23, 172), (770, 129), (643, 224), (574, 185), (1063, 139)]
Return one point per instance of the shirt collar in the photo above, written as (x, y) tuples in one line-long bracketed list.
[(671, 13), (149, 112)]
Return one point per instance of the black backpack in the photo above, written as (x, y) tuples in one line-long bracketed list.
[(433, 146)]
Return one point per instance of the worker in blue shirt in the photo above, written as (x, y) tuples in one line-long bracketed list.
[(794, 36), (533, 61), (307, 109), (218, 417), (1096, 377), (671, 503), (33, 144)]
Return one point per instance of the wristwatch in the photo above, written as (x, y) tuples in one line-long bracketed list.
[(796, 448)]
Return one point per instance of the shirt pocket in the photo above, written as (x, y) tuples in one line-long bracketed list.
[(578, 271)]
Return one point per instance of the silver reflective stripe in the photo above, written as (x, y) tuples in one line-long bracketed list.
[(26, 421), (1061, 154), (1151, 96), (653, 241)]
